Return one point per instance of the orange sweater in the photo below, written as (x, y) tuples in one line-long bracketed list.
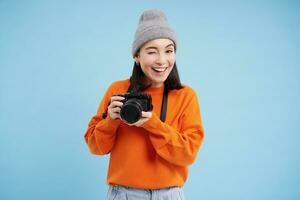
[(155, 155)]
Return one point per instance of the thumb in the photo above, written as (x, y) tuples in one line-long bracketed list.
[(146, 114)]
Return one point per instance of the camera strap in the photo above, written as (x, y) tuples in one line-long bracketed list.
[(164, 105)]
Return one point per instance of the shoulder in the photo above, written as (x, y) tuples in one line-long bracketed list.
[(120, 86), (185, 98), (186, 91), (120, 83)]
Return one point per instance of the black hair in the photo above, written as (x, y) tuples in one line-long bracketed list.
[(138, 79)]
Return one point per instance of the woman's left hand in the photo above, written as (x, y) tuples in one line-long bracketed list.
[(145, 117)]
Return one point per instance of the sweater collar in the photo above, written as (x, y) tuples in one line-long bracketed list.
[(155, 90)]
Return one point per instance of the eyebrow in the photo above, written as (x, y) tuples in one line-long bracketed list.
[(151, 47)]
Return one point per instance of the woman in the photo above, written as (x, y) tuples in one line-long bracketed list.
[(149, 156)]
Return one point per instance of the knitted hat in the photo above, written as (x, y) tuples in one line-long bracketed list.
[(152, 25)]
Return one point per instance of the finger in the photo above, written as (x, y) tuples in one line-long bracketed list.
[(114, 115), (116, 110), (117, 98), (146, 114), (116, 104)]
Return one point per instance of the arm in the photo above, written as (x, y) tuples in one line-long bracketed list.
[(101, 133), (178, 147)]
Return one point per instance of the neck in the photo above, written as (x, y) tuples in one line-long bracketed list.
[(156, 85)]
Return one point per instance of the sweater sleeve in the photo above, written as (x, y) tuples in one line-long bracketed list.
[(101, 133), (178, 147)]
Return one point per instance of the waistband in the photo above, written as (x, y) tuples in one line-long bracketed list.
[(147, 191)]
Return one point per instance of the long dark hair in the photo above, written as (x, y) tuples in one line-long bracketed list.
[(138, 79)]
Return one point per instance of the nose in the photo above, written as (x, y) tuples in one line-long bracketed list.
[(161, 59)]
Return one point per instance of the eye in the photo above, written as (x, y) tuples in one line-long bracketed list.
[(169, 51), (151, 52)]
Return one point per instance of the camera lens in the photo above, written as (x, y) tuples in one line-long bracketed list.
[(131, 111)]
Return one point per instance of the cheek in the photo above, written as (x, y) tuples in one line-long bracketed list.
[(148, 61), (146, 69), (173, 58), (146, 64)]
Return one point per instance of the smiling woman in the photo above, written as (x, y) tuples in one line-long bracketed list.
[(157, 58), (149, 155)]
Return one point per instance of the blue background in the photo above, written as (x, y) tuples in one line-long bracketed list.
[(242, 58)]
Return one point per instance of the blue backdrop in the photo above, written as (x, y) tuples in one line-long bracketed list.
[(242, 58)]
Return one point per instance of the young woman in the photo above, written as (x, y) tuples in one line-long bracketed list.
[(149, 157)]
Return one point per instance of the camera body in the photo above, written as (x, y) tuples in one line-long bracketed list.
[(134, 104)]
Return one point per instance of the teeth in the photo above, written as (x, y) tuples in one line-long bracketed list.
[(159, 69)]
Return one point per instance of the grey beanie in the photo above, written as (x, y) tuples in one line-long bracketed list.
[(152, 25)]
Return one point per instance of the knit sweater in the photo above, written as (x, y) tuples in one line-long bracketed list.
[(156, 154)]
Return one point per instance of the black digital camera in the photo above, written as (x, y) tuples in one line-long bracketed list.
[(133, 105)]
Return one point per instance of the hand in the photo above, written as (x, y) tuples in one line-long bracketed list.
[(145, 117), (114, 107)]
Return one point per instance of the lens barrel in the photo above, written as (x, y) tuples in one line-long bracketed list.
[(131, 111)]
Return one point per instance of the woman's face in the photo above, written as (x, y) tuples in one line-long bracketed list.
[(157, 58)]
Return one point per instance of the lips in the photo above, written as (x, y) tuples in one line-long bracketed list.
[(159, 70)]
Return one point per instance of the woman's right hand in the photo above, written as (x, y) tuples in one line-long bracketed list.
[(115, 107)]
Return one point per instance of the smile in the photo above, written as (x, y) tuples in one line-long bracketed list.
[(160, 69)]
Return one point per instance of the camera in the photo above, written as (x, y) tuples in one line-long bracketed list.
[(133, 105)]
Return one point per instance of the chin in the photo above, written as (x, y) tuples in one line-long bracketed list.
[(159, 81)]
